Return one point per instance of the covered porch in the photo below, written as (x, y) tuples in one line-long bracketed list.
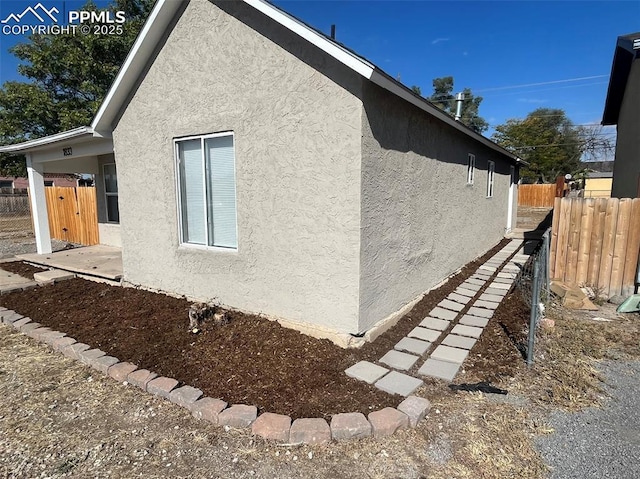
[(80, 151), (97, 261)]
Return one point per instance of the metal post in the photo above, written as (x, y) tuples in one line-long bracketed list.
[(533, 322), (459, 100), (546, 245)]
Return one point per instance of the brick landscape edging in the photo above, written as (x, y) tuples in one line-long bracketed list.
[(277, 427)]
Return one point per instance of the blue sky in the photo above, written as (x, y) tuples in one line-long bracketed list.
[(491, 47)]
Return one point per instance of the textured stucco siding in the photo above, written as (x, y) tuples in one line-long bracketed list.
[(626, 169), (420, 221), (296, 119)]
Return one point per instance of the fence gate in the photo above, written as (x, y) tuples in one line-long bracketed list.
[(73, 215)]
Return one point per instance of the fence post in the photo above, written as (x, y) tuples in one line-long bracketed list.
[(546, 244), (535, 309)]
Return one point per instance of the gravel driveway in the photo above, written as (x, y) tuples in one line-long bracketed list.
[(13, 245), (599, 443)]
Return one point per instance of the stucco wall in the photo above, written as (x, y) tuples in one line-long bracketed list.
[(297, 147), (626, 170), (420, 221)]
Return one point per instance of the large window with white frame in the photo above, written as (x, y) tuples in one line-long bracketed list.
[(491, 170), (111, 192), (471, 168), (207, 190)]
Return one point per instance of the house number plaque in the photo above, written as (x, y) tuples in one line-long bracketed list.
[(67, 151)]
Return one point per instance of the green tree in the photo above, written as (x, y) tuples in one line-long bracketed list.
[(416, 89), (67, 77), (547, 140), (444, 99)]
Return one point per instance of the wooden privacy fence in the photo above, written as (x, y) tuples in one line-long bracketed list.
[(73, 214), (11, 204), (595, 242), (536, 195)]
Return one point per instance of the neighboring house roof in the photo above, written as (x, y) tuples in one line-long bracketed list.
[(627, 50), (59, 179), (160, 20), (600, 174)]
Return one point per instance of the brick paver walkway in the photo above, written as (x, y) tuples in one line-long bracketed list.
[(459, 320)]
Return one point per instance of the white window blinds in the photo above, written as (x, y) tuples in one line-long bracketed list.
[(192, 192), (221, 188), (208, 191)]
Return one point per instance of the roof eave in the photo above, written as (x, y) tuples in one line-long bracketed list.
[(26, 146), (142, 49)]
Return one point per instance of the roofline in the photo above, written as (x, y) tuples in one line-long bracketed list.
[(46, 140), (165, 10), (627, 50), (133, 65)]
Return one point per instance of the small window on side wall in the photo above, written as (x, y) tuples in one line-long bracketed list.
[(491, 169), (471, 168)]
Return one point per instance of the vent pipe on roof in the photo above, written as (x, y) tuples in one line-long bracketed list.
[(333, 32), (459, 100)]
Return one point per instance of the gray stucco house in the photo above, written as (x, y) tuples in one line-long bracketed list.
[(622, 108), (263, 164)]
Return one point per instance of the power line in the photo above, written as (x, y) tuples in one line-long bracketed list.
[(509, 87), (526, 92)]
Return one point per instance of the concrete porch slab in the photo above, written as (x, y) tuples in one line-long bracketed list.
[(99, 260)]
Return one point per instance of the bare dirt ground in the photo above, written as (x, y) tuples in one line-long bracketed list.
[(531, 218)]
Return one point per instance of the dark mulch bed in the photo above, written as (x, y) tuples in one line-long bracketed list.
[(23, 269), (250, 360), (501, 349)]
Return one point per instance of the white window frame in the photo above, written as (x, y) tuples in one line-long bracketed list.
[(107, 193), (202, 138), (491, 172), (471, 168), (7, 181)]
